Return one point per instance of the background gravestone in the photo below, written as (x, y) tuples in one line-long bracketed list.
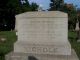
[(43, 35)]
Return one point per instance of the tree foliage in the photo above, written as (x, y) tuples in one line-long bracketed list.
[(72, 15), (70, 9), (34, 7), (10, 8), (56, 4)]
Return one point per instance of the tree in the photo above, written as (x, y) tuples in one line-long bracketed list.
[(8, 14), (18, 7), (34, 7), (3, 13), (56, 4), (25, 6), (68, 8), (10, 8), (72, 15)]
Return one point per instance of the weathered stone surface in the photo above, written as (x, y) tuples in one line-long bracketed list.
[(24, 56), (42, 48), (44, 32)]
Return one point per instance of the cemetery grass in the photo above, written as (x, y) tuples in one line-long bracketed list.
[(7, 46), (75, 45)]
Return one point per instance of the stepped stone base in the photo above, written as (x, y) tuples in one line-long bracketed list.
[(43, 48), (26, 56)]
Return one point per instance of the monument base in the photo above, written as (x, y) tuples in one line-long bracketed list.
[(26, 56), (51, 48)]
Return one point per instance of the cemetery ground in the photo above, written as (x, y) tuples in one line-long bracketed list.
[(7, 45), (10, 38)]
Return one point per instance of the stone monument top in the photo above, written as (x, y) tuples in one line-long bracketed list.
[(43, 14)]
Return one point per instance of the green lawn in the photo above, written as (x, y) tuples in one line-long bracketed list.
[(7, 46), (75, 45)]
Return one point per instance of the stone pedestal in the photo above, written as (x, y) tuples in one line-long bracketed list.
[(24, 56), (42, 36)]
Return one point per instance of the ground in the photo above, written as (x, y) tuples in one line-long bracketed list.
[(7, 45), (75, 45)]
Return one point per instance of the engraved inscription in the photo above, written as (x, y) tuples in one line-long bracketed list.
[(42, 49)]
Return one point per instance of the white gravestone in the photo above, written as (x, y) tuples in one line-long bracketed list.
[(43, 33)]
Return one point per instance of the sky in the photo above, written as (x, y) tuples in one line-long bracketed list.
[(45, 3), (74, 2)]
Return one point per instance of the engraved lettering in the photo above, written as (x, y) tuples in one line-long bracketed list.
[(45, 50), (34, 49)]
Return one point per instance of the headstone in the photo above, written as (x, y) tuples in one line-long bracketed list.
[(77, 29), (42, 36), (77, 26)]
